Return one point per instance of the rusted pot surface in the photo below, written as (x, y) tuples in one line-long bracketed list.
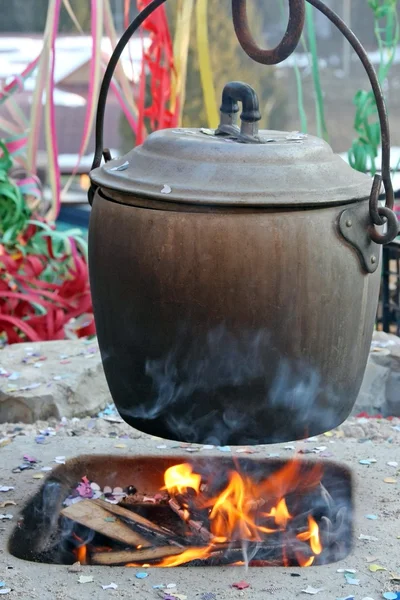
[(230, 305)]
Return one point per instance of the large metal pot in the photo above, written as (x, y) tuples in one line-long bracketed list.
[(234, 281)]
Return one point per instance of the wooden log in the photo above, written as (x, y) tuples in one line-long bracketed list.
[(134, 556), (90, 514), (196, 526), (125, 513), (157, 553)]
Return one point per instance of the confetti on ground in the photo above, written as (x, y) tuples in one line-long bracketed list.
[(372, 517), (38, 476), (4, 591), (85, 579), (352, 571), (60, 460), (208, 596), (242, 585), (7, 503), (171, 586), (351, 580), (30, 459), (5, 517), (367, 461), (347, 598), (159, 586), (111, 586), (390, 480), (224, 448), (391, 595), (311, 590), (374, 568), (367, 538), (6, 488), (120, 446), (392, 463), (141, 575)]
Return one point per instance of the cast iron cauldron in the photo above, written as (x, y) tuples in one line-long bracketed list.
[(234, 281)]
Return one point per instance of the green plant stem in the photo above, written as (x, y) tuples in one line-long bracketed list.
[(322, 130)]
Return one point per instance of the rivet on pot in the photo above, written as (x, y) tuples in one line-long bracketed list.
[(349, 223), (373, 259)]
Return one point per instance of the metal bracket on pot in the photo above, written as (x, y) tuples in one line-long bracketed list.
[(354, 226)]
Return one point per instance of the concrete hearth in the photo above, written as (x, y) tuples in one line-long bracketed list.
[(372, 496)]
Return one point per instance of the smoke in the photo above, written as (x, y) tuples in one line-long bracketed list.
[(225, 388)]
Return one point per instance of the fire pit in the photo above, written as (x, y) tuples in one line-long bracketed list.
[(170, 511)]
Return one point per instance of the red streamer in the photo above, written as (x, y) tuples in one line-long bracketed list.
[(22, 291), (158, 64)]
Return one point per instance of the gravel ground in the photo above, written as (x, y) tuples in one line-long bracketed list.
[(356, 440)]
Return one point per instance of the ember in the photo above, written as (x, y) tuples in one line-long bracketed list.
[(208, 512)]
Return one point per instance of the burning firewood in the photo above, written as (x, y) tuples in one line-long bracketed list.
[(196, 527), (134, 556), (92, 515), (132, 516)]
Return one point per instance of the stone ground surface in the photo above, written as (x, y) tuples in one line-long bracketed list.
[(66, 379), (355, 440), (51, 379)]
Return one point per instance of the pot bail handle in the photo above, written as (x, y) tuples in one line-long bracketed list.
[(105, 85), (379, 215)]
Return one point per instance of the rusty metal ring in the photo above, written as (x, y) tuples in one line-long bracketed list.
[(392, 227), (374, 201), (289, 40)]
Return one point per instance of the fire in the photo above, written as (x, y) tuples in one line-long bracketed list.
[(233, 510), (187, 556), (313, 535), (245, 510), (280, 513), (181, 477), (81, 554), (80, 551)]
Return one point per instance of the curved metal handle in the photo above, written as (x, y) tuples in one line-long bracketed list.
[(379, 214), (288, 43), (108, 75)]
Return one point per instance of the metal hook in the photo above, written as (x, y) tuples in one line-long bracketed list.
[(289, 40)]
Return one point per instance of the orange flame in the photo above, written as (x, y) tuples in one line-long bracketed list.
[(280, 513), (237, 513), (181, 477), (313, 535), (233, 511), (187, 556), (80, 551)]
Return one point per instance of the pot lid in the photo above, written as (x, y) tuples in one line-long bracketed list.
[(234, 167)]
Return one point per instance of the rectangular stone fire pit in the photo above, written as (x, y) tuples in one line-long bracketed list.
[(372, 496)]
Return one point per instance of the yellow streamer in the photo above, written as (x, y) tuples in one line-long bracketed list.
[(203, 50), (181, 51)]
